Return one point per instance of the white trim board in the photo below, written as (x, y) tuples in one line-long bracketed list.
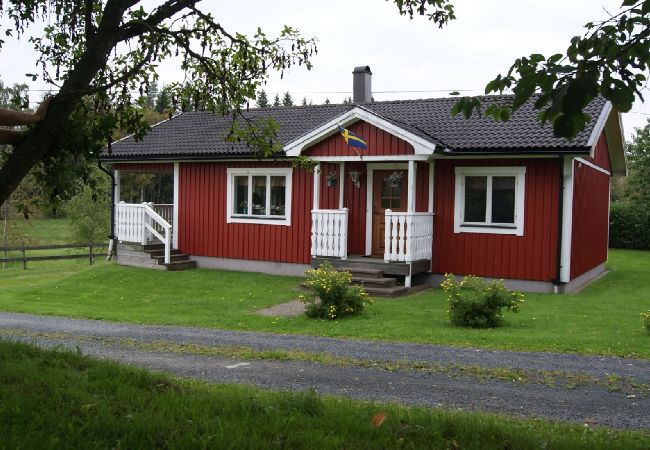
[(175, 210), (287, 172), (370, 168), (567, 220), (519, 172), (373, 158), (599, 127), (420, 146), (593, 166)]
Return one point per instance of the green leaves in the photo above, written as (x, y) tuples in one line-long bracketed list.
[(439, 12), (467, 105), (102, 75), (612, 59)]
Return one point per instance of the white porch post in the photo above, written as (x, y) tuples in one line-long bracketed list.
[(410, 204), (410, 208), (316, 187), (341, 183), (175, 211), (567, 219), (117, 186)]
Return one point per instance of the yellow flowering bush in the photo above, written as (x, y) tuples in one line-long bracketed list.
[(645, 317), (475, 303), (332, 296)]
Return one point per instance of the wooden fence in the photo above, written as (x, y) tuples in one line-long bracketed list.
[(90, 255)]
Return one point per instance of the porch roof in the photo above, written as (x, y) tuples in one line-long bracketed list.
[(201, 135)]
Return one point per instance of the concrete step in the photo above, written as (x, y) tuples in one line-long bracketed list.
[(375, 282), (179, 265)]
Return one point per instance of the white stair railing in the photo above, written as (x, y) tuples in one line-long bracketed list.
[(139, 223), (329, 232), (408, 236)]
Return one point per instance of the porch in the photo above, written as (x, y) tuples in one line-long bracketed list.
[(389, 229), (145, 235)]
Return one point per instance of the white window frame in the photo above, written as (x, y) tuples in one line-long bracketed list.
[(460, 226), (269, 172)]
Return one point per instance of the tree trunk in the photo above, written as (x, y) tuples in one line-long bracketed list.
[(45, 138)]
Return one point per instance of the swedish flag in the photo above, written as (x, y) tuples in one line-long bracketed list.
[(352, 139)]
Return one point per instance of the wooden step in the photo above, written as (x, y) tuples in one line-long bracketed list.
[(172, 258), (153, 247), (179, 265), (159, 253), (359, 272), (375, 282), (395, 291)]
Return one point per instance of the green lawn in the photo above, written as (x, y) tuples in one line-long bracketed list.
[(603, 319), (46, 231), (62, 399)]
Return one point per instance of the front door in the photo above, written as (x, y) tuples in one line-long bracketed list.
[(388, 192)]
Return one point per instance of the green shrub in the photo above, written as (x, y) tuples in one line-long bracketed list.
[(473, 302), (629, 225), (332, 297), (645, 317)]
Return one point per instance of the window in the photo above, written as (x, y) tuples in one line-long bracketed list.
[(261, 195), (490, 200)]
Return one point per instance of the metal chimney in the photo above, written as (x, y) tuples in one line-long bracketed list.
[(362, 84)]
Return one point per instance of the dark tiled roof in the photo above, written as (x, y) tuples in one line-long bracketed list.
[(523, 131), (202, 134)]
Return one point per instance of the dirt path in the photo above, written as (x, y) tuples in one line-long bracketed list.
[(566, 387)]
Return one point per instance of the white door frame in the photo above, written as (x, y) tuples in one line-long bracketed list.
[(370, 168)]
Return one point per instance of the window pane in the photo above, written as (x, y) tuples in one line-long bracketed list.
[(241, 195), (278, 196), (503, 199), (475, 199), (259, 196)]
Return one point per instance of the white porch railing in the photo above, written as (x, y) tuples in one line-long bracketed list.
[(139, 223), (408, 236), (166, 211), (329, 232)]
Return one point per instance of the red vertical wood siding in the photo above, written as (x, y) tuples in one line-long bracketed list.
[(601, 154), (203, 230), (528, 257), (329, 196), (589, 233), (144, 167), (422, 187), (379, 141)]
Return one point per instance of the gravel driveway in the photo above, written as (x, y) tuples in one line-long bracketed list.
[(593, 404)]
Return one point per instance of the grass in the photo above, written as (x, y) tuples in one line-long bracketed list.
[(52, 399), (603, 319), (46, 231), (50, 231)]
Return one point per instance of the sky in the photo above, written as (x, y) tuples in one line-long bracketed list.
[(408, 58)]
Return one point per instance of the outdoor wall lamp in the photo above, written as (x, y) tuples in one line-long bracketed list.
[(356, 178)]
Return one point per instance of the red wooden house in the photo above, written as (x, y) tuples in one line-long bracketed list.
[(431, 194)]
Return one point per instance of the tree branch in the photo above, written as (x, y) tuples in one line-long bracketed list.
[(167, 10), (45, 138)]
